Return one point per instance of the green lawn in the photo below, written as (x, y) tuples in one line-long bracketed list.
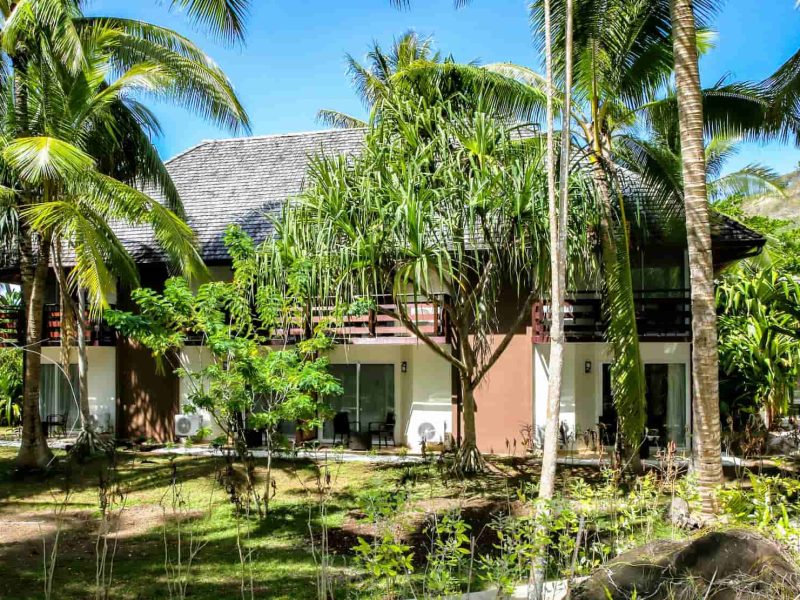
[(283, 564), (620, 514)]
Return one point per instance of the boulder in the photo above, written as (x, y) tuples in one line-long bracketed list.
[(680, 514), (736, 564)]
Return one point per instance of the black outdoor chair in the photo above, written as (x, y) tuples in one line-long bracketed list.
[(58, 423), (341, 427), (384, 430)]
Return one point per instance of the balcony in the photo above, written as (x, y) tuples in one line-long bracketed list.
[(12, 329), (376, 327), (661, 315)]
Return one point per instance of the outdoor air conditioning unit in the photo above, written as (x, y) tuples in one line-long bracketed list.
[(430, 422), (188, 425)]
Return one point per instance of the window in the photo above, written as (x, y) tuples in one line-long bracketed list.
[(56, 396), (666, 401), (368, 395)]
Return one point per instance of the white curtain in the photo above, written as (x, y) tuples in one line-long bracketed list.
[(676, 404), (56, 396)]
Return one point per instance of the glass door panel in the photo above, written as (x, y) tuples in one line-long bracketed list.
[(368, 395), (376, 394), (676, 404), (56, 396), (666, 401), (348, 401)]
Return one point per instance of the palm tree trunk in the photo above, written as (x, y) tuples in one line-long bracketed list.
[(705, 361), (558, 214), (83, 365), (557, 281), (33, 451)]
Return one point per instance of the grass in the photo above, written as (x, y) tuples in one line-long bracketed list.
[(283, 564)]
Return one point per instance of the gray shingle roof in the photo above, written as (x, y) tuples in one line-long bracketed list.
[(244, 181), (248, 180)]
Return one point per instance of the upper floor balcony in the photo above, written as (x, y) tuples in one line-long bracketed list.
[(661, 315), (379, 325), (12, 328)]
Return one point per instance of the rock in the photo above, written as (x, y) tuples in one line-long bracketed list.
[(785, 442), (720, 565), (680, 514)]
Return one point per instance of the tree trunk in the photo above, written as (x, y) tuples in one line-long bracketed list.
[(705, 361), (469, 459), (33, 450), (83, 365), (558, 213)]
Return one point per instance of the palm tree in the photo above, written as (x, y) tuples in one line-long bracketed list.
[(623, 58), (705, 355), (46, 164), (373, 82), (90, 112)]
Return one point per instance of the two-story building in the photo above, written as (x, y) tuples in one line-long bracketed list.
[(383, 368)]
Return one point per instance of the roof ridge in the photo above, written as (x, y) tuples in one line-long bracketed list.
[(282, 135), (188, 150)]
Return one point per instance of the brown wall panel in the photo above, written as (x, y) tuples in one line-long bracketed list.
[(148, 400), (504, 398)]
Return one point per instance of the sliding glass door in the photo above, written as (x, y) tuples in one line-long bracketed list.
[(56, 397), (368, 395), (666, 398)]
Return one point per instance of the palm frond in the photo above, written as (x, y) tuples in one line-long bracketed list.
[(40, 159), (339, 120), (223, 17), (751, 180)]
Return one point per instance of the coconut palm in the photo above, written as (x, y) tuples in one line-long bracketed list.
[(705, 355), (89, 111), (48, 163), (373, 81)]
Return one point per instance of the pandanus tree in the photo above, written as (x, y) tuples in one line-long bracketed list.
[(51, 166), (444, 206)]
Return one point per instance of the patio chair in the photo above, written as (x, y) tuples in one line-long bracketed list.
[(58, 423), (341, 427), (384, 430)]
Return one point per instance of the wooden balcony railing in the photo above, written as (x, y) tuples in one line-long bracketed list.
[(429, 317), (660, 315), (12, 331)]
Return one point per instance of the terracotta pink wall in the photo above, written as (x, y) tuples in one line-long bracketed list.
[(504, 399)]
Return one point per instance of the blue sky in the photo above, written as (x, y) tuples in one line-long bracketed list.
[(293, 61)]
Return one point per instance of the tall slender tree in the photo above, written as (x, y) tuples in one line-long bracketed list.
[(705, 358), (558, 283)]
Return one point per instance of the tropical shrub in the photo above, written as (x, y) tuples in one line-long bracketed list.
[(244, 384), (759, 345), (10, 385)]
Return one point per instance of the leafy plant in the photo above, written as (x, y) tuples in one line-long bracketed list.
[(759, 339), (10, 385), (243, 383), (449, 554)]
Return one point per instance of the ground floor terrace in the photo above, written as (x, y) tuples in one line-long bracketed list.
[(403, 392)]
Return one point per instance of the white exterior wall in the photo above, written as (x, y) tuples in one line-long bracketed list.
[(426, 382), (194, 358), (582, 393), (102, 379)]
